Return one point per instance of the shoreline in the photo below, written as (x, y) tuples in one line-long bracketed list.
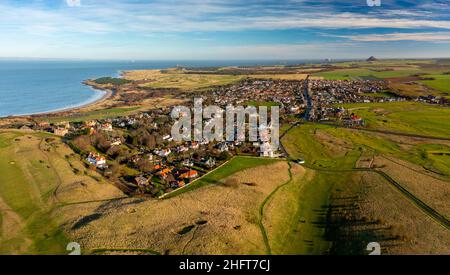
[(107, 94)]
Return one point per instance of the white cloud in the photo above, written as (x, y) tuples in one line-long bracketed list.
[(73, 3), (418, 36), (191, 15)]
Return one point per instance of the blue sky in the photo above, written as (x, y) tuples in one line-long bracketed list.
[(223, 29)]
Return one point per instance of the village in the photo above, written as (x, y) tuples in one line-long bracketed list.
[(138, 153)]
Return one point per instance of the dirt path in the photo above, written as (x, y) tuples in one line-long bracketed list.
[(429, 211), (261, 211)]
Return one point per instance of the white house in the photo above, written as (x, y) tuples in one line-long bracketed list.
[(97, 160)]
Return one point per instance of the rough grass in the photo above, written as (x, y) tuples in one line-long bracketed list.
[(322, 147), (222, 219), (34, 176), (233, 166), (178, 80)]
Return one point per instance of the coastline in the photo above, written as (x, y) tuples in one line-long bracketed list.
[(106, 94)]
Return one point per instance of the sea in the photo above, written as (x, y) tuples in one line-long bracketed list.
[(39, 86)]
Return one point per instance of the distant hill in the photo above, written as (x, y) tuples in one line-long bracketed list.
[(372, 58)]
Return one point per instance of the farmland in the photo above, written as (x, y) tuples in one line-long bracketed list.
[(406, 77)]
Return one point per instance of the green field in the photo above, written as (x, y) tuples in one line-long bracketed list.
[(407, 117), (99, 114), (300, 143), (441, 82), (25, 197), (302, 206), (331, 155), (365, 73)]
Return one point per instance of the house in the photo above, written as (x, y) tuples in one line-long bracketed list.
[(177, 184), (150, 157), (64, 124), (106, 127), (163, 153), (210, 163), (266, 150), (188, 163), (116, 142), (61, 131), (223, 147), (97, 160), (141, 181), (91, 123), (194, 145), (191, 174), (357, 121), (164, 172), (44, 124)]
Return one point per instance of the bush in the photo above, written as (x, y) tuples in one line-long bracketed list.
[(111, 80)]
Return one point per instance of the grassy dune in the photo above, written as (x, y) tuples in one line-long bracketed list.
[(217, 219), (327, 150), (35, 176)]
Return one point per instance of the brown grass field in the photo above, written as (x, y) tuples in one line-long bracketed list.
[(218, 219), (36, 175), (424, 184)]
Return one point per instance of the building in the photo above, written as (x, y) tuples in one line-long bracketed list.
[(191, 174), (61, 131), (267, 150), (163, 153), (141, 181), (97, 160), (106, 127), (188, 163)]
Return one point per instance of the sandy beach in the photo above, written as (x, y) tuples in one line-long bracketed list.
[(107, 94)]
